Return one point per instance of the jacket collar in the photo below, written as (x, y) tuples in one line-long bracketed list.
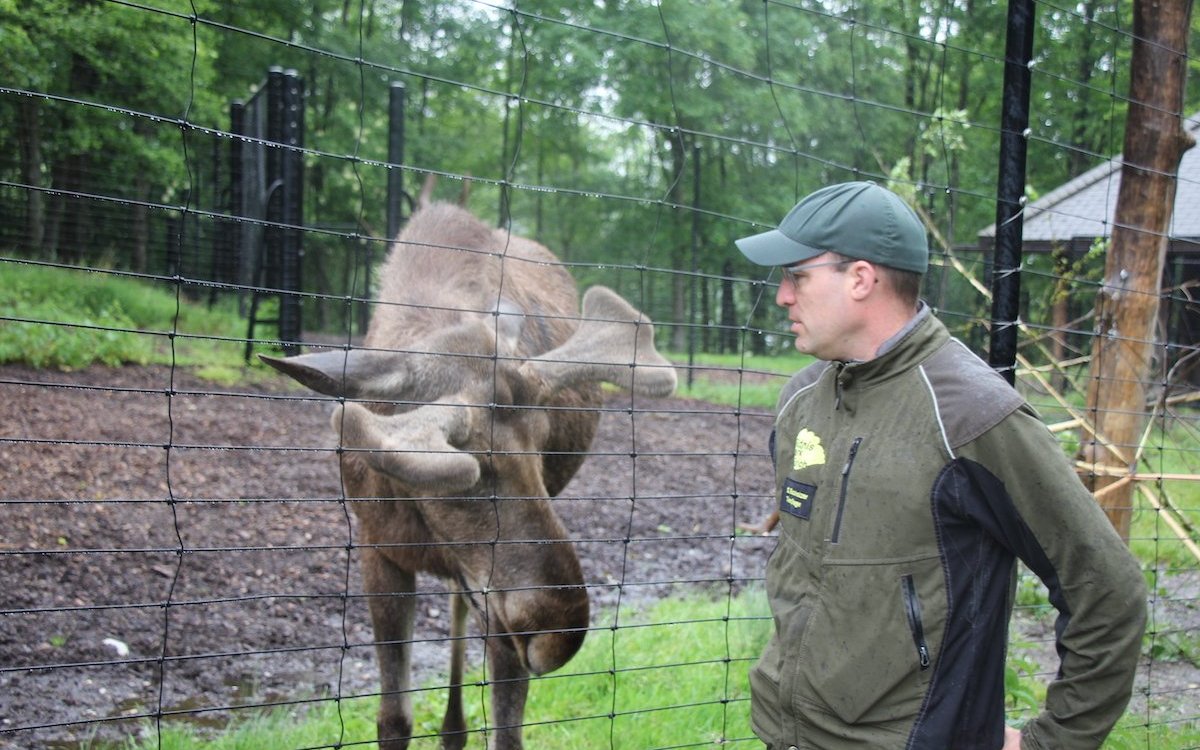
[(921, 337), (921, 314)]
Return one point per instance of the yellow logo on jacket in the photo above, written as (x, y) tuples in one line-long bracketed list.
[(809, 451)]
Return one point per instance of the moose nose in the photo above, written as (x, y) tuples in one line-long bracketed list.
[(548, 635), (546, 652)]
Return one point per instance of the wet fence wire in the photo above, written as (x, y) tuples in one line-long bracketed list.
[(179, 551)]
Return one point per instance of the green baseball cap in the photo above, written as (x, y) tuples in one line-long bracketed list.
[(859, 220)]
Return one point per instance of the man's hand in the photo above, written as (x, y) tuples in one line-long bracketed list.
[(1012, 739)]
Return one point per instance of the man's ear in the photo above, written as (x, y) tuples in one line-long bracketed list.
[(863, 278)]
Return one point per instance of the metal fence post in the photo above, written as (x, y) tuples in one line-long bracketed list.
[(291, 176), (1010, 189)]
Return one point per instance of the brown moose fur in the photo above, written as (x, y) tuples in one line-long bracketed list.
[(456, 434)]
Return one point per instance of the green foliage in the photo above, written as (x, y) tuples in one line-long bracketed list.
[(580, 123), (1032, 595), (1170, 449), (52, 325), (1025, 694), (1024, 689), (65, 319), (1180, 646), (1134, 733)]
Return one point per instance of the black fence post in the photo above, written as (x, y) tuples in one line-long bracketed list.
[(1010, 189), (395, 183), (237, 201), (291, 177), (174, 229), (397, 98), (267, 194), (272, 250), (693, 317)]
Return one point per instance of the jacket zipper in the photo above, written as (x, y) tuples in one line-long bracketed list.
[(841, 508), (912, 607)]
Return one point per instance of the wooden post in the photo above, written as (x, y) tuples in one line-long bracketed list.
[(1127, 305)]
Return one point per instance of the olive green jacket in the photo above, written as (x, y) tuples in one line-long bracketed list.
[(908, 487)]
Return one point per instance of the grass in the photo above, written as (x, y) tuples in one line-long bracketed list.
[(69, 319), (1134, 733), (1172, 450), (674, 674), (735, 380)]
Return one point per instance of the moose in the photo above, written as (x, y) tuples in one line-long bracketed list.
[(471, 402)]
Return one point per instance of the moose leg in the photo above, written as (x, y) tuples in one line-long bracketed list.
[(390, 597), (510, 686), (454, 726)]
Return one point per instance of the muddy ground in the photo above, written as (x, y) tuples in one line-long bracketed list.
[(204, 530), (170, 546)]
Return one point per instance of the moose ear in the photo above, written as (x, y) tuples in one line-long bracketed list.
[(353, 373)]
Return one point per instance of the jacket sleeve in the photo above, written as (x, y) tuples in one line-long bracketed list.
[(1096, 584)]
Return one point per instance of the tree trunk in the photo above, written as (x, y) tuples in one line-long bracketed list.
[(1060, 310), (139, 212), (1127, 305), (72, 172), (73, 214), (679, 283), (29, 135), (728, 338)]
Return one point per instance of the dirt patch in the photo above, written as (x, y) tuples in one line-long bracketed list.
[(171, 546)]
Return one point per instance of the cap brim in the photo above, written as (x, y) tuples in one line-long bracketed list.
[(774, 248)]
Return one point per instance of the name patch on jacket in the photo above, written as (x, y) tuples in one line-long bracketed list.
[(797, 498)]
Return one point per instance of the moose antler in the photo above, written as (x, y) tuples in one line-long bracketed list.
[(614, 343), (419, 447)]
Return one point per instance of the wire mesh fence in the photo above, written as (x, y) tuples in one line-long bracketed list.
[(181, 552)]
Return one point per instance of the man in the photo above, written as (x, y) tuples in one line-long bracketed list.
[(910, 478)]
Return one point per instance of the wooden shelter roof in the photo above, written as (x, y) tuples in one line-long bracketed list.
[(1082, 209)]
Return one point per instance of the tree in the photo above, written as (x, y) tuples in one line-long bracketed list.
[(76, 142), (1127, 305)]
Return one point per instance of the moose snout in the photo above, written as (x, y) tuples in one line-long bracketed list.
[(547, 633), (546, 652)]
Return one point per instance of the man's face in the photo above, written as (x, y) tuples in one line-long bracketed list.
[(815, 295)]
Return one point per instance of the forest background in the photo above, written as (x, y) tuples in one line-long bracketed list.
[(628, 136)]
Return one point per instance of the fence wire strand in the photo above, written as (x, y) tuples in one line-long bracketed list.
[(181, 550)]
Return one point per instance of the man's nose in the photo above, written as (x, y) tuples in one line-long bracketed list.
[(785, 294)]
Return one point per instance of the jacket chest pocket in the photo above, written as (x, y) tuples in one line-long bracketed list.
[(881, 504), (813, 499), (844, 491)]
